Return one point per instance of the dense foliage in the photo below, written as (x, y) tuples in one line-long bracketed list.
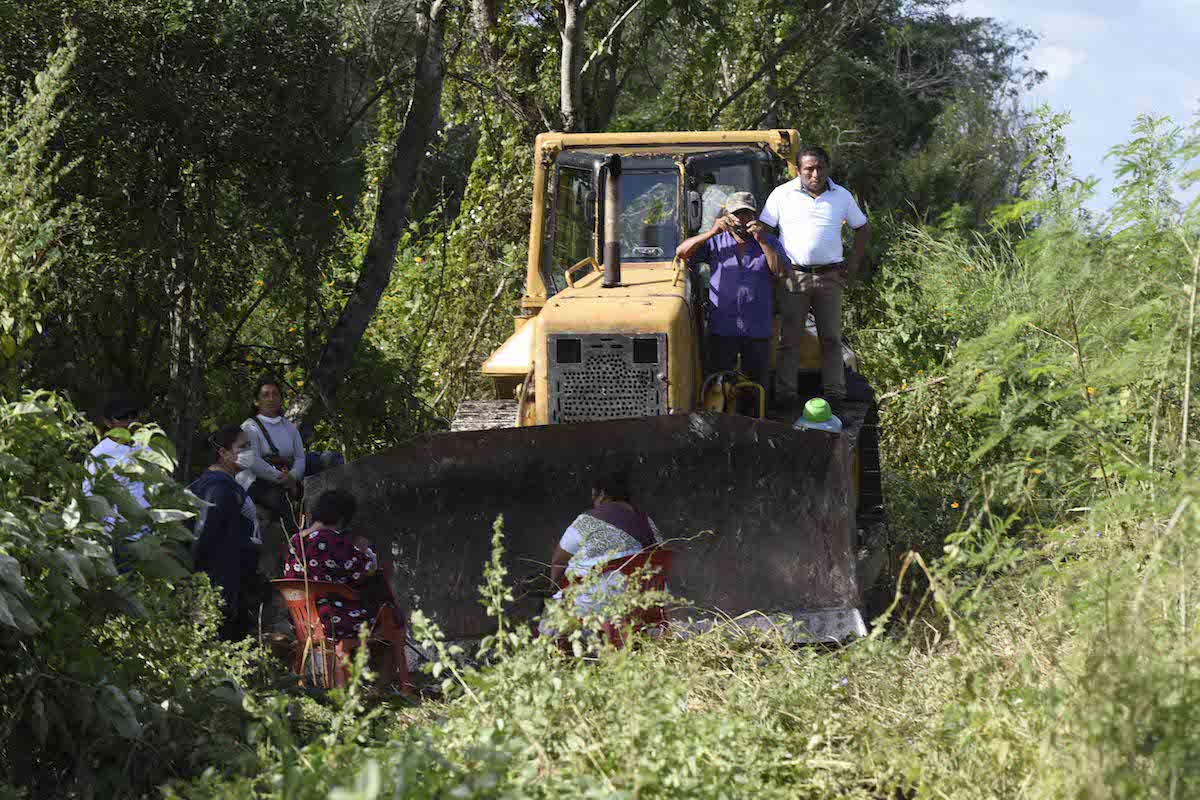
[(187, 192), (109, 681)]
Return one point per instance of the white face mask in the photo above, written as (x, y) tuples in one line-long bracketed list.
[(245, 459)]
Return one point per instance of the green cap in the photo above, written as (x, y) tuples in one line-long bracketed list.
[(817, 410)]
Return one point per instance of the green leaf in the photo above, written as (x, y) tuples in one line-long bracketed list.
[(366, 787), (89, 549), (121, 435), (14, 609), (115, 709), (70, 562), (170, 515), (6, 615), (10, 573), (11, 464), (227, 692), (129, 508), (98, 506), (28, 407), (72, 515)]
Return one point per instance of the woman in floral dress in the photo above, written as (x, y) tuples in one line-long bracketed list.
[(323, 552)]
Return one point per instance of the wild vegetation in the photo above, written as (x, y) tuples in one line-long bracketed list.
[(192, 192)]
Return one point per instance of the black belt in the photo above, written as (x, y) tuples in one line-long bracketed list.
[(817, 269)]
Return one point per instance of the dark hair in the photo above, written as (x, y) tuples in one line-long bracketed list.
[(615, 485), (223, 439), (335, 505), (120, 404), (264, 380), (815, 152)]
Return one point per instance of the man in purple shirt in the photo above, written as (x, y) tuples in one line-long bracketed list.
[(743, 257)]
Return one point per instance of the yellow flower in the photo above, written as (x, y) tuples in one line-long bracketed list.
[(1091, 391), (418, 259), (299, 383), (1037, 471), (954, 505)]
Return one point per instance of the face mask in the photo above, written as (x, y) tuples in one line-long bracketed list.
[(245, 459)]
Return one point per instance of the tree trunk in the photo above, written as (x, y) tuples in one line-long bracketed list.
[(184, 368), (483, 17), (771, 117), (391, 218), (574, 13), (609, 85)]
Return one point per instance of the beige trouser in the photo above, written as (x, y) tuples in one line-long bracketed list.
[(822, 293)]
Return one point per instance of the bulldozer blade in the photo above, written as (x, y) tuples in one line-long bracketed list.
[(761, 516)]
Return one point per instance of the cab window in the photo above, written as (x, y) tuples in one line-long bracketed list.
[(572, 231), (649, 215), (715, 178)]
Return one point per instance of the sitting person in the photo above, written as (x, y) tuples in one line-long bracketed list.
[(227, 541), (613, 528), (324, 552)]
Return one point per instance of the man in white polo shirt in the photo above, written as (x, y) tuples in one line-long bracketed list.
[(809, 212)]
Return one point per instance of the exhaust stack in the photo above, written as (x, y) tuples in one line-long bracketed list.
[(612, 222)]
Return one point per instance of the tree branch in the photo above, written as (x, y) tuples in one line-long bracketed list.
[(604, 42)]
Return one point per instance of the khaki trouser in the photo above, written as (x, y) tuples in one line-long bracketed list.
[(822, 293)]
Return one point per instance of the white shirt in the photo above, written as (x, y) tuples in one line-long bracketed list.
[(107, 455), (590, 542), (811, 227), (288, 444)]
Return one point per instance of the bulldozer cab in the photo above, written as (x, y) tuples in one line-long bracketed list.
[(665, 198)]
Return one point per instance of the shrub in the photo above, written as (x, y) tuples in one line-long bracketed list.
[(107, 680)]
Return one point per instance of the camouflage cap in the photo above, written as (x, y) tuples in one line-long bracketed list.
[(740, 201)]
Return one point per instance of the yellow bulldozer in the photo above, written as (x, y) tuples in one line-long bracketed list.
[(605, 371)]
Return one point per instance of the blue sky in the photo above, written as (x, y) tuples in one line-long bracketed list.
[(1108, 61)]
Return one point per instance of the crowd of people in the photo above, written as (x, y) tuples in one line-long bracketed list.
[(250, 491), (247, 530), (791, 257)]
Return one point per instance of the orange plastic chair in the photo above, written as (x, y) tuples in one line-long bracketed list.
[(327, 658), (659, 561)]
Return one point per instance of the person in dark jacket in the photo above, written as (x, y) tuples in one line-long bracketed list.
[(227, 539)]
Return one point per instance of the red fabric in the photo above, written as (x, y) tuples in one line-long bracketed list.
[(332, 556)]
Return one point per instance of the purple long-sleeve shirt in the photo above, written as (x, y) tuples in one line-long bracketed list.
[(739, 290)]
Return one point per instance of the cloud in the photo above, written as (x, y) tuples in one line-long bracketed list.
[(1058, 60), (1070, 26)]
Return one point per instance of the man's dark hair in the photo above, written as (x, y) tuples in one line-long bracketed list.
[(263, 380), (815, 152), (120, 404), (615, 485), (222, 439), (334, 506)]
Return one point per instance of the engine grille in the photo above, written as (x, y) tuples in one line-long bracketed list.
[(606, 376)]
